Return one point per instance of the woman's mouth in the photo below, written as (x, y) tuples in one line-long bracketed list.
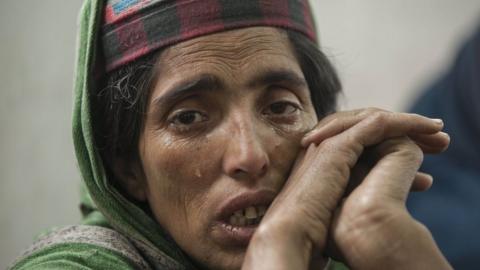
[(239, 217)]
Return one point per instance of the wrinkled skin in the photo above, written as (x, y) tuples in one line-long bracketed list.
[(233, 144), (238, 132), (359, 218)]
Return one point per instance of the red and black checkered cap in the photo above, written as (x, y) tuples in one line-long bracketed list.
[(133, 28)]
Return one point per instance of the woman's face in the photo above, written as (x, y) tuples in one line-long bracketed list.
[(222, 131)]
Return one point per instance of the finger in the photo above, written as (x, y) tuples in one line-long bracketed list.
[(422, 182), (339, 115), (431, 143), (394, 174), (346, 148), (374, 130), (416, 124)]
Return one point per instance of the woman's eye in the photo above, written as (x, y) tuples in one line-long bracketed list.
[(186, 118), (282, 108)]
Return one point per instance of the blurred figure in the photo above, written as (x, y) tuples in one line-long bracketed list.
[(455, 98)]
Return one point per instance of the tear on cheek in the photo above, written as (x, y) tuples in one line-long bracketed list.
[(198, 172)]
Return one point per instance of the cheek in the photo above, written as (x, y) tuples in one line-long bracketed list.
[(178, 177), (283, 150)]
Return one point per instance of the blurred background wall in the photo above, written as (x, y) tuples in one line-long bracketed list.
[(385, 52)]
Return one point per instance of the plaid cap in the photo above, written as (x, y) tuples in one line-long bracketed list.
[(134, 28)]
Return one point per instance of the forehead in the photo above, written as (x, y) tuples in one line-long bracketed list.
[(237, 53)]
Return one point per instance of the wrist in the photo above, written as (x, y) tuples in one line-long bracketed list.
[(278, 247), (414, 248), (424, 252), (420, 252)]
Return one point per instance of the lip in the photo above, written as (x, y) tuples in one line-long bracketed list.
[(244, 200), (238, 236)]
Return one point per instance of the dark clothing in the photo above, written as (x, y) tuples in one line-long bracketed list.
[(451, 209)]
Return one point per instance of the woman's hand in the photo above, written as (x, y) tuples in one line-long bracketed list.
[(371, 226)]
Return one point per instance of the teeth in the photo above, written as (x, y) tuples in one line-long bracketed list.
[(234, 220), (250, 212), (239, 213), (261, 210), (242, 221), (248, 216)]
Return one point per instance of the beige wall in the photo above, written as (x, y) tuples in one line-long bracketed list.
[(387, 50), (384, 50), (38, 175)]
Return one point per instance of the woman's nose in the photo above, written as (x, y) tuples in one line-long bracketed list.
[(245, 156)]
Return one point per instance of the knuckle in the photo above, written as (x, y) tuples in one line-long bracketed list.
[(370, 110), (329, 146), (378, 121), (379, 118), (342, 152), (369, 210), (367, 205)]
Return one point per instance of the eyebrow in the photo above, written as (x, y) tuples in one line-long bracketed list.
[(204, 82), (210, 82)]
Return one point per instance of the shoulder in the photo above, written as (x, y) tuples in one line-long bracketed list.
[(81, 247)]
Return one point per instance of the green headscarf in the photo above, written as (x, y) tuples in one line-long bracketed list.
[(103, 204)]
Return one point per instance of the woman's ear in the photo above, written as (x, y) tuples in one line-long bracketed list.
[(131, 178)]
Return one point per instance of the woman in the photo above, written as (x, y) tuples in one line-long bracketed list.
[(190, 129)]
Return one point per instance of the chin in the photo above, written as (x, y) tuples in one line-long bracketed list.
[(223, 259)]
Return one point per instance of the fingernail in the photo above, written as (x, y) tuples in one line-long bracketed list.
[(438, 121), (445, 134)]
